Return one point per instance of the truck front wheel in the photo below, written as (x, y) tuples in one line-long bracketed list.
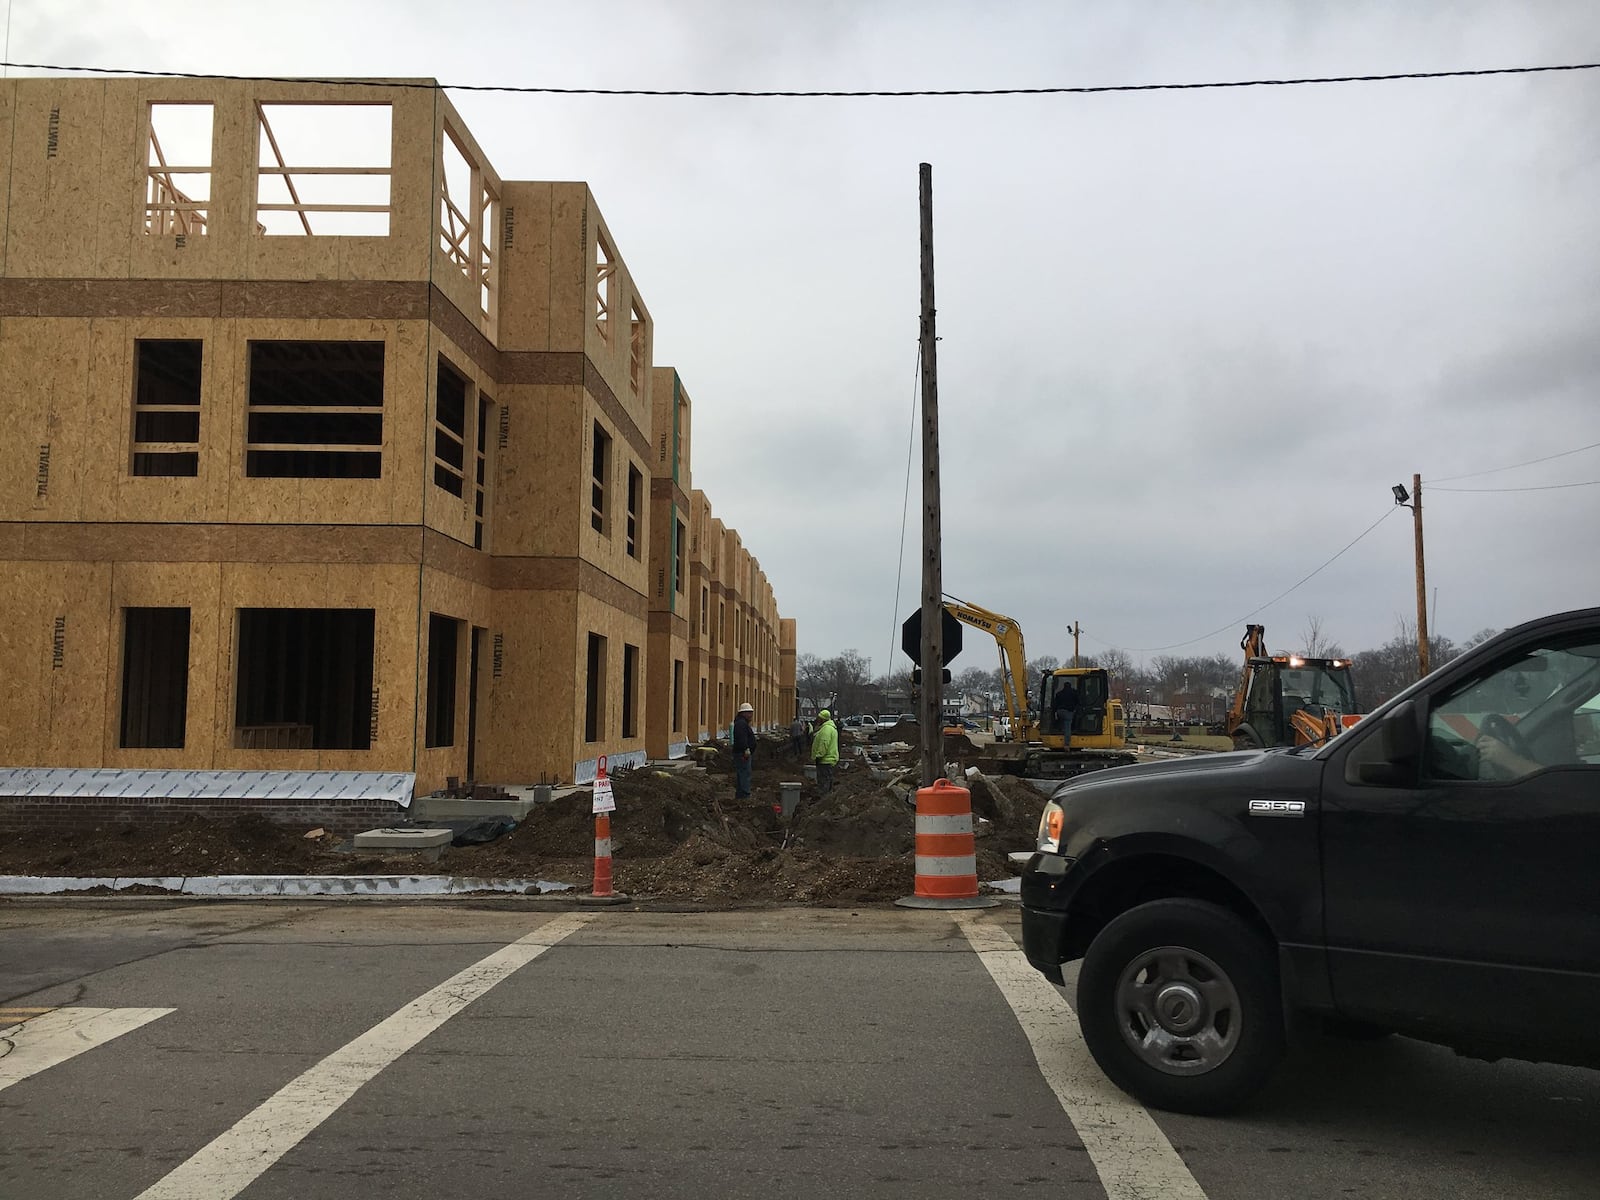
[(1179, 1004)]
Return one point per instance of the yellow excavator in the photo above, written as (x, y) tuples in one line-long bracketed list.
[(1099, 734), (1289, 699)]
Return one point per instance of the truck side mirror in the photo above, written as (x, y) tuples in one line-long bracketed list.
[(1398, 742)]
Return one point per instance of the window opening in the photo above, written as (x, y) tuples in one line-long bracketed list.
[(467, 212), (339, 181), (594, 690), (481, 470), (677, 695), (680, 560), (316, 410), (155, 677), (630, 673), (635, 488), (304, 679), (636, 347), (702, 703), (443, 646), (450, 428), (600, 468), (605, 271), (166, 407), (705, 605), (177, 190)]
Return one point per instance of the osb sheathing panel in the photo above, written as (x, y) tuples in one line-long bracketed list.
[(525, 267), (472, 605), (404, 254), (54, 640), (79, 155), (8, 102), (195, 586), (394, 498), (443, 510), (571, 279), (700, 674), (668, 395), (541, 469), (659, 542), (55, 177), (719, 535), (611, 352), (45, 366), (461, 287), (391, 592), (608, 548), (700, 527), (536, 702), (664, 650), (618, 628)]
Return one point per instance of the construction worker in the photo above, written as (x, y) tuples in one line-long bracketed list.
[(1064, 706), (825, 751), (744, 748), (798, 736)]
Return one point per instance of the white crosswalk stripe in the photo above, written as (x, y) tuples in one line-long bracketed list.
[(1133, 1157), (54, 1035)]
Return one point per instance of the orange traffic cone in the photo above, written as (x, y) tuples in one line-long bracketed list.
[(604, 804), (947, 858)]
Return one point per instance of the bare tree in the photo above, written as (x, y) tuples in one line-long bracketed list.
[(1314, 643)]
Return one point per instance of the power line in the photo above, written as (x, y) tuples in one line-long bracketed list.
[(803, 94), (1548, 487), (1512, 467), (1234, 624)]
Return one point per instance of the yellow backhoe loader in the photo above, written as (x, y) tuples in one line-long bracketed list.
[(1289, 699)]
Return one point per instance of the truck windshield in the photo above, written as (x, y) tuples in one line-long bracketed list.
[(1319, 685)]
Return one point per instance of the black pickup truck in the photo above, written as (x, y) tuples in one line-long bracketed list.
[(1434, 871)]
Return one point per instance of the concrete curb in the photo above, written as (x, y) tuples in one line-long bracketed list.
[(280, 885)]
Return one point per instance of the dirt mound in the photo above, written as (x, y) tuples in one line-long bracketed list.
[(191, 846), (676, 834)]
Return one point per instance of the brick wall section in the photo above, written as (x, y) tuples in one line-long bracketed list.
[(342, 817)]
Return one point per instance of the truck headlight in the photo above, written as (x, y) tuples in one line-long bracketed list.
[(1050, 823)]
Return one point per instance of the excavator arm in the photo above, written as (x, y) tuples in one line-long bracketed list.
[(1013, 661)]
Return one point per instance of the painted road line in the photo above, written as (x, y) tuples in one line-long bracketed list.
[(1133, 1157), (31, 1043), (234, 1159)]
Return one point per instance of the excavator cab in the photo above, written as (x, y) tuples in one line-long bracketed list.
[(1092, 721)]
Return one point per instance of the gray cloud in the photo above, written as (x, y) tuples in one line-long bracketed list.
[(1189, 339)]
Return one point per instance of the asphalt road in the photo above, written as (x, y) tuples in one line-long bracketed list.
[(164, 1050)]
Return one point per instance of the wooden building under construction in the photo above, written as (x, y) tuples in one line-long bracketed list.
[(331, 449)]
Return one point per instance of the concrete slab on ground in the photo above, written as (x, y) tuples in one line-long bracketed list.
[(429, 843), (452, 808)]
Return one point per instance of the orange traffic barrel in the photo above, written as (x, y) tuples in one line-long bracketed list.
[(947, 862)]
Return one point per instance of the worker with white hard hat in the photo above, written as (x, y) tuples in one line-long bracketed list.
[(744, 747)]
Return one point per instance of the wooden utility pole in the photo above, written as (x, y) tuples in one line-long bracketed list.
[(930, 708), (1422, 580), (1076, 630)]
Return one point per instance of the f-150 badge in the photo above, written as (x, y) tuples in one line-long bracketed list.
[(1277, 808)]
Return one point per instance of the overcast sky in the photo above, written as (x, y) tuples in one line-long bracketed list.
[(1189, 339)]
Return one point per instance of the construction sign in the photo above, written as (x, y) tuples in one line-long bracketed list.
[(604, 801)]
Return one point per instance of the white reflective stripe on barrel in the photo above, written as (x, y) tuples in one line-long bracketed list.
[(602, 847), (962, 823), (960, 864)]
